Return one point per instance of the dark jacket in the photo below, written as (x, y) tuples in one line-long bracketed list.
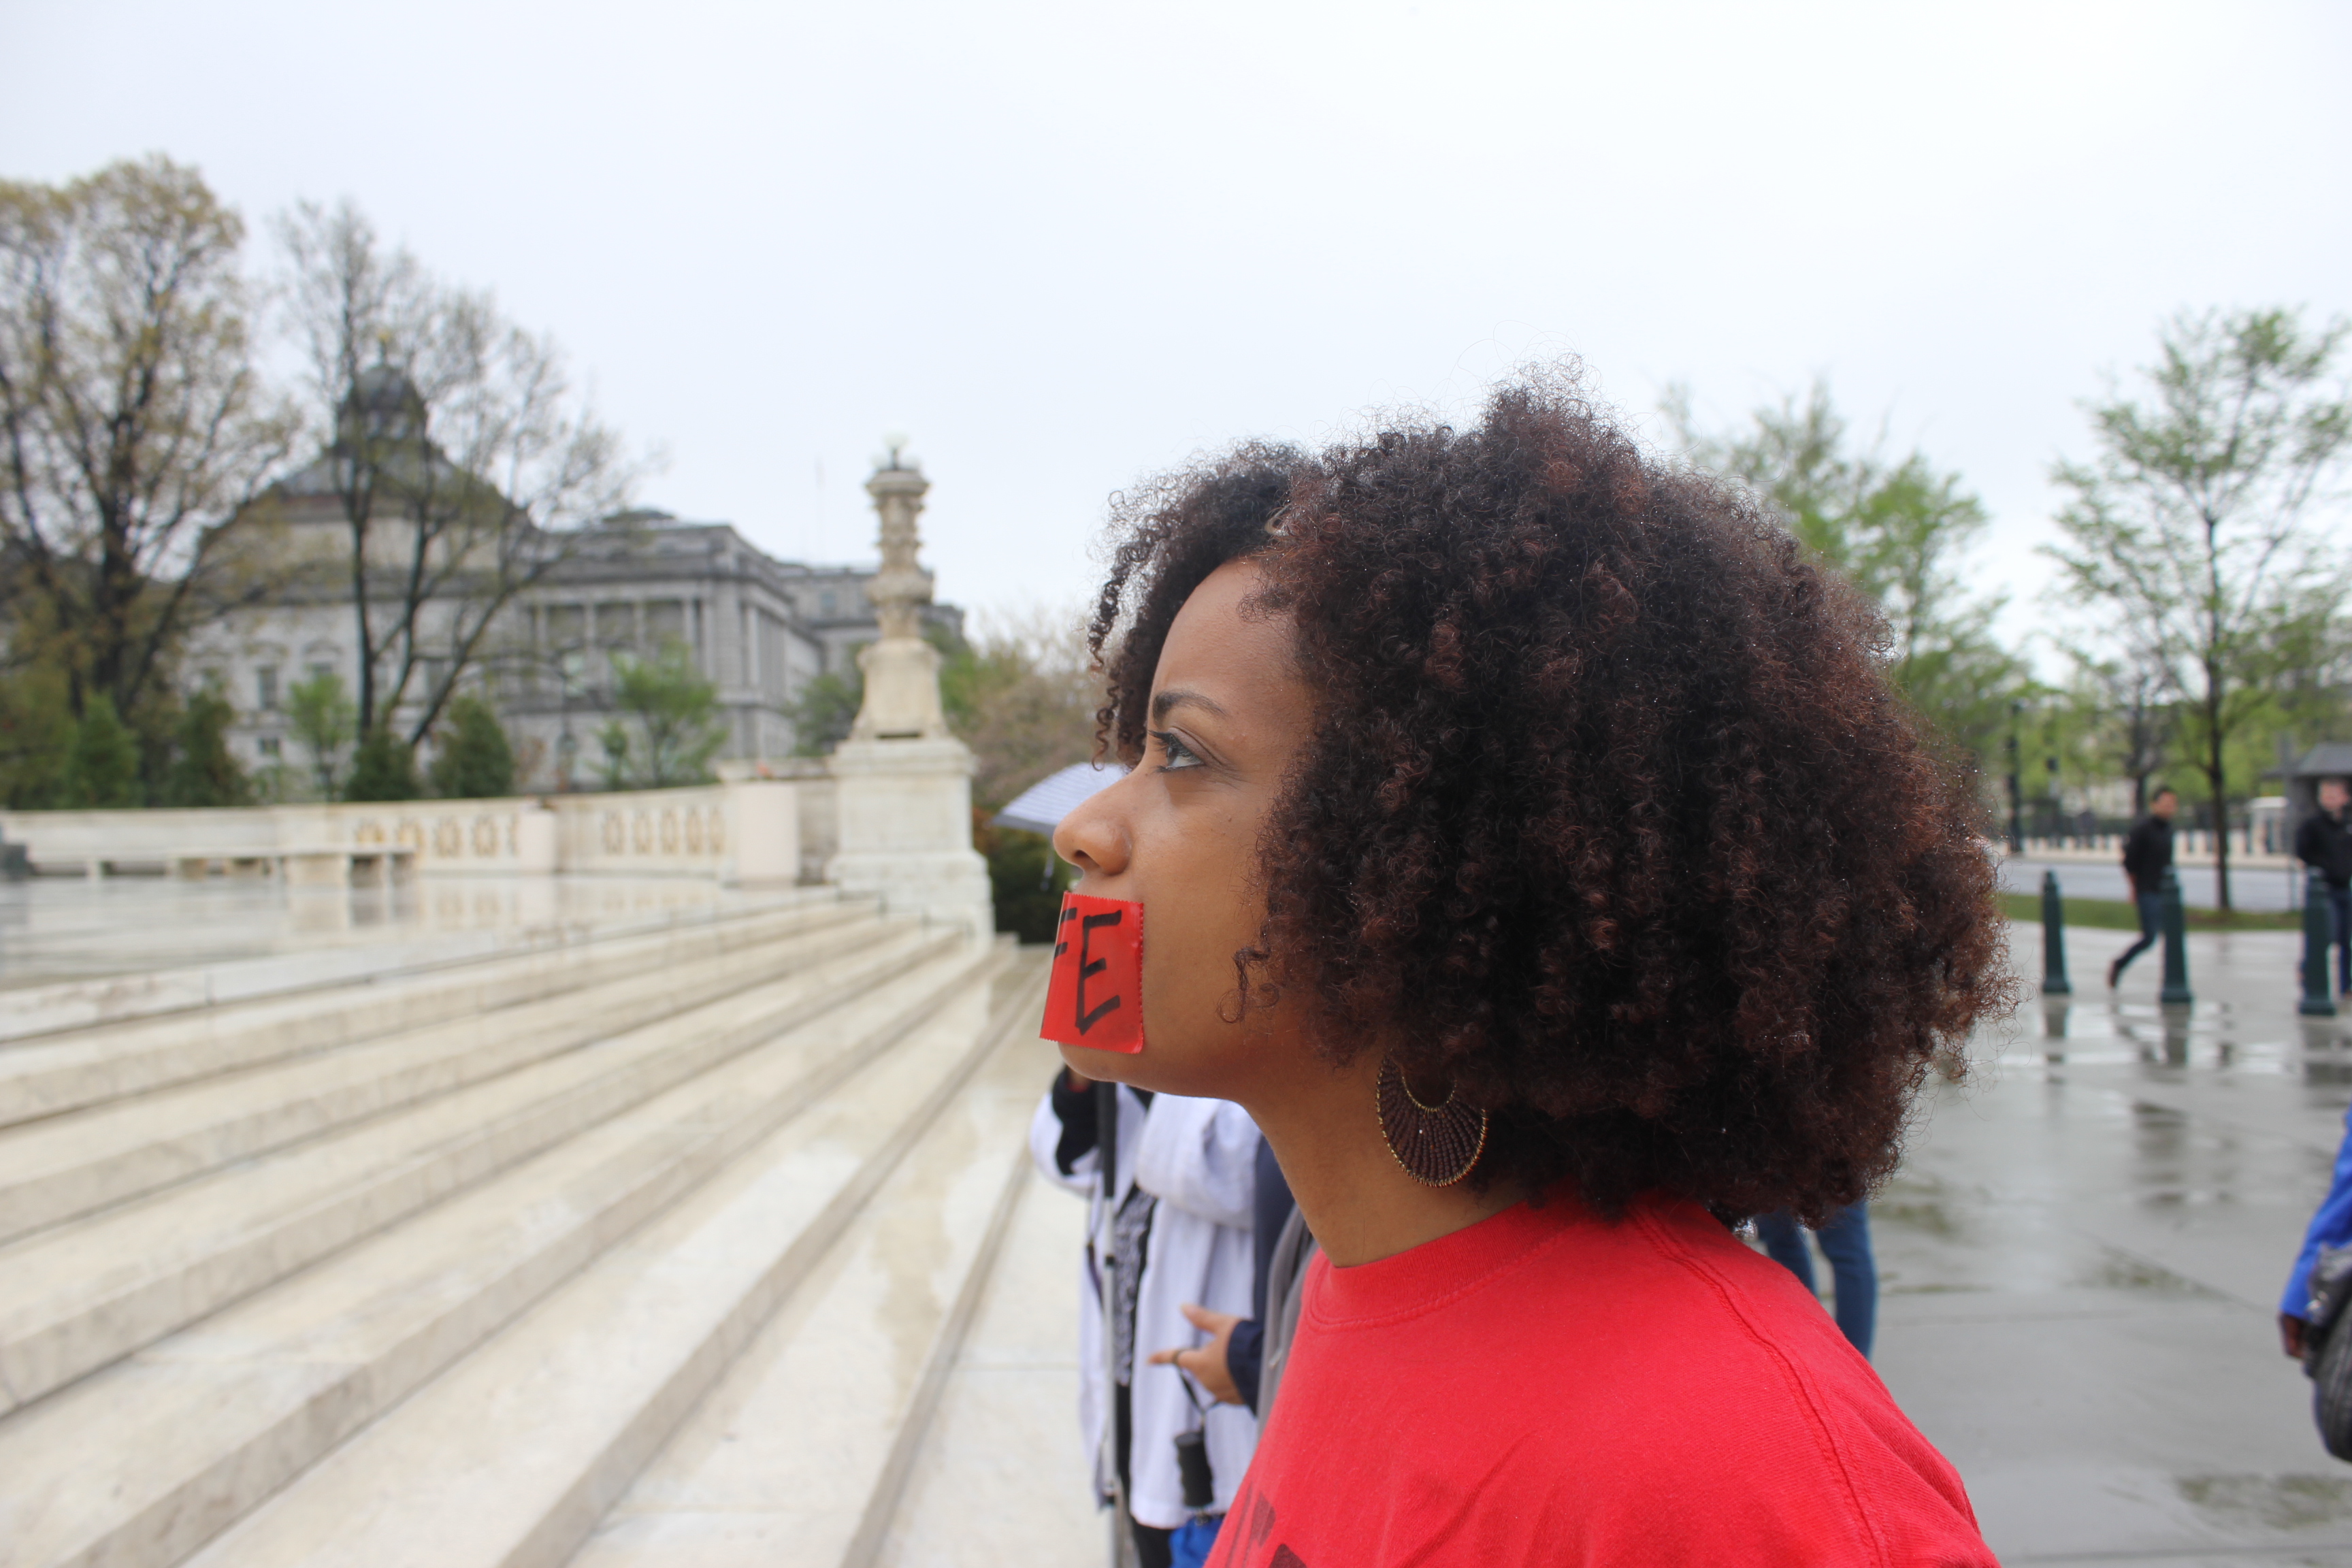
[(2148, 854), (2324, 843)]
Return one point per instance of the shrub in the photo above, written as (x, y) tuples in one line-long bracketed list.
[(384, 768), (475, 761)]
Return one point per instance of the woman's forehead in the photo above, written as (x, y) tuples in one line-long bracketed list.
[(1221, 649)]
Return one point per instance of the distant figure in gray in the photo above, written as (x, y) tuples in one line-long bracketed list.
[(2324, 843), (2147, 856)]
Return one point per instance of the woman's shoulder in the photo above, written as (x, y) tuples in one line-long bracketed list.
[(1730, 1370), (1638, 1379)]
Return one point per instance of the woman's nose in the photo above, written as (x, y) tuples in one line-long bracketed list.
[(1094, 838)]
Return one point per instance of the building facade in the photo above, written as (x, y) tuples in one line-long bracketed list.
[(757, 628)]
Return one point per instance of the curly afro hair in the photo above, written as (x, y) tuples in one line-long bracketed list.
[(1610, 817)]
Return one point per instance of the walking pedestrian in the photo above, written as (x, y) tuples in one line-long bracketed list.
[(2324, 843), (1853, 1272), (2147, 856), (1526, 836)]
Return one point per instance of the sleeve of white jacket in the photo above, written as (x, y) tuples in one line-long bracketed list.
[(1045, 1137), (1201, 1156)]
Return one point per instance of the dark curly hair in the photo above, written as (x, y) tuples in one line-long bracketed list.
[(1610, 817)]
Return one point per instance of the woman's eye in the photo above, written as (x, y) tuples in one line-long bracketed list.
[(1175, 752)]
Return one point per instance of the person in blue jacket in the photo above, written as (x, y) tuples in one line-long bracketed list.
[(2331, 1227)]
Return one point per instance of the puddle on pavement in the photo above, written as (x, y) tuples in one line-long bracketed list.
[(2275, 1502), (2118, 1270), (2214, 1036), (1926, 1215)]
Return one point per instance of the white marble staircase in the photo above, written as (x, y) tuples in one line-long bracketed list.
[(665, 1247)]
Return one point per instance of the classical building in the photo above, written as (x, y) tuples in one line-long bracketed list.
[(759, 628)]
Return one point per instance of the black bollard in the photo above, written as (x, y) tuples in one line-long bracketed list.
[(2319, 931), (2053, 939), (2176, 991)]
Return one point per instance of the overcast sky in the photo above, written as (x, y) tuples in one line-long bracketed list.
[(1066, 246)]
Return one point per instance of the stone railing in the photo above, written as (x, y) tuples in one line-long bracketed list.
[(745, 831), (667, 830), (888, 820), (443, 835)]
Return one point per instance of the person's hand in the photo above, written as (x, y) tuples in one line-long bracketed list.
[(1206, 1363), (2292, 1334)]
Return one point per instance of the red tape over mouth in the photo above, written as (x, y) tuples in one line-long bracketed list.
[(1095, 996)]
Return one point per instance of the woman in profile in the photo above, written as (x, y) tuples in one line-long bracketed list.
[(1527, 836)]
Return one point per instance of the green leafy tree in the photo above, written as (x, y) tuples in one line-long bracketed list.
[(1025, 878), (2125, 715), (134, 422), (102, 769), (202, 771), (323, 719), (475, 761), (2198, 524), (613, 740), (670, 725), (384, 767), (825, 708), (36, 738), (1023, 696), (1897, 531)]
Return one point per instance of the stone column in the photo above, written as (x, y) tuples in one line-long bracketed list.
[(902, 671), (904, 783)]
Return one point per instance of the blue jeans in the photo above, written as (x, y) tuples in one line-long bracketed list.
[(2151, 926), (2339, 903), (1846, 1243), (1188, 1545)]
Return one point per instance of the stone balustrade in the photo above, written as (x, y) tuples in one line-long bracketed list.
[(743, 831)]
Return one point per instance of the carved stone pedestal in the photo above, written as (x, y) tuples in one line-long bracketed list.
[(905, 830)]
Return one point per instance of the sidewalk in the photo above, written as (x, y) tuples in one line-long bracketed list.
[(2081, 1257), (2272, 886)]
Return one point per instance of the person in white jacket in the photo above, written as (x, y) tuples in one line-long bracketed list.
[(1193, 1163)]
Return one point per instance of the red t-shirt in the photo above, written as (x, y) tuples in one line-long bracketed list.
[(1544, 1387)]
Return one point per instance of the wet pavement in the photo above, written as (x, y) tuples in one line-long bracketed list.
[(2081, 1257)]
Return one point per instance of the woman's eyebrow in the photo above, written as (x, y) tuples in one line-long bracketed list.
[(1163, 701)]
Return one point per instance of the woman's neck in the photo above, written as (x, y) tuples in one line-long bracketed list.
[(1359, 1202)]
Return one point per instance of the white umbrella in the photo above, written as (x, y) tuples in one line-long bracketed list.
[(1040, 807)]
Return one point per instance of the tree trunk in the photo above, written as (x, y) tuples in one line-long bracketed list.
[(2216, 776), (358, 509)]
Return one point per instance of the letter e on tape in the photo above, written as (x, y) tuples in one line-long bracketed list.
[(1095, 995)]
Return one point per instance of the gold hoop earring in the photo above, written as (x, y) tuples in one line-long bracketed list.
[(1438, 1144)]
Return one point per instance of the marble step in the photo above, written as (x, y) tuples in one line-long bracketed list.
[(63, 1166), (512, 1456), (140, 1464), (999, 1475), (77, 1296), (520, 917), (797, 1458), (90, 1066)]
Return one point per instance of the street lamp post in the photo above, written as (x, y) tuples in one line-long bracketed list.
[(2016, 786)]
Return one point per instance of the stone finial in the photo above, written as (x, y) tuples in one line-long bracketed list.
[(902, 671), (902, 587)]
